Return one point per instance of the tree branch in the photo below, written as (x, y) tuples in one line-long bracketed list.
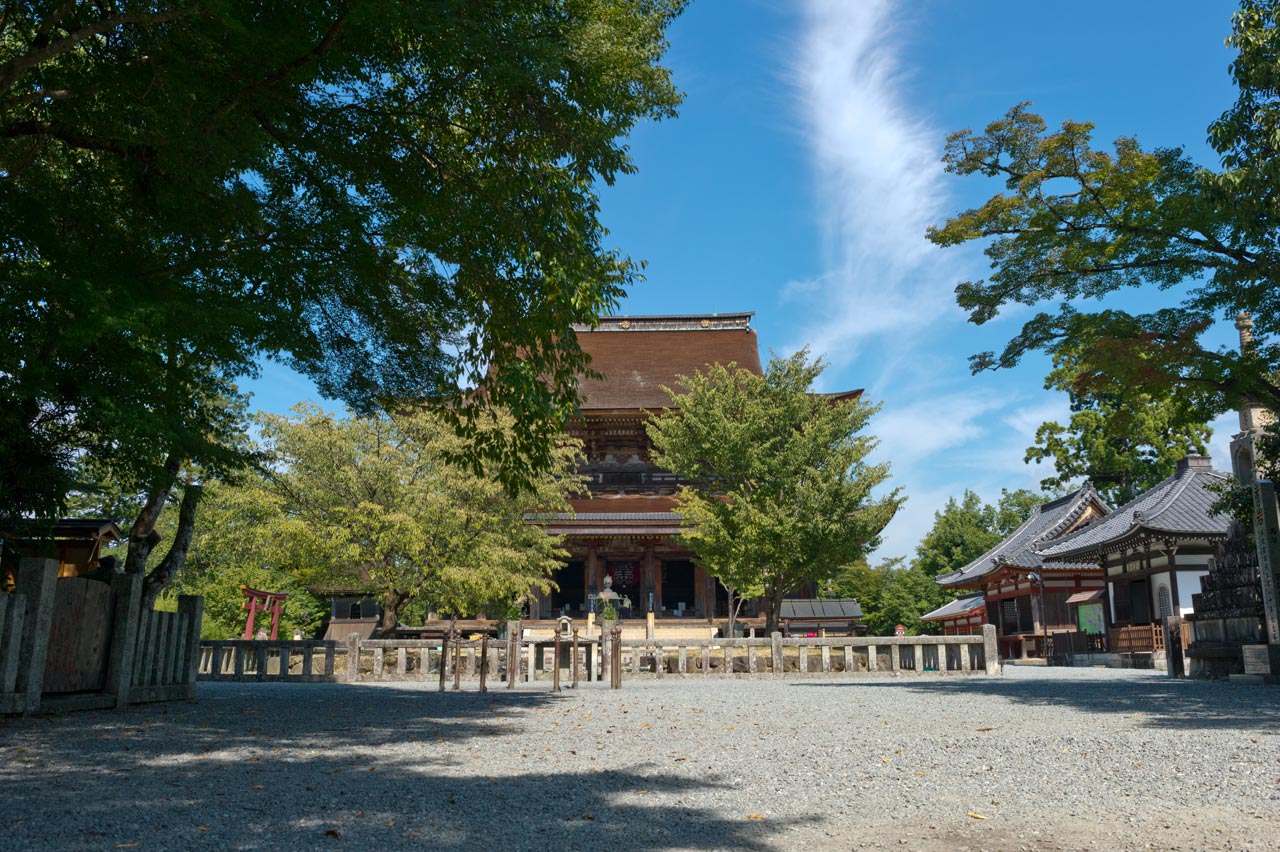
[(13, 70), (173, 561), (330, 36)]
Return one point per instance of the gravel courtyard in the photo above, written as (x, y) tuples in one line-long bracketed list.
[(1057, 759)]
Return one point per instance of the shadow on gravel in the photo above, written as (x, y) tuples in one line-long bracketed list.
[(1159, 702), (340, 767)]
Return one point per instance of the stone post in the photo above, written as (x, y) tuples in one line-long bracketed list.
[(990, 653), (192, 606), (353, 657), (606, 648), (124, 635), (775, 652), (36, 579), (1266, 535)]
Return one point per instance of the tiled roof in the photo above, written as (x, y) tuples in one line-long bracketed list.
[(1047, 522), (1178, 507), (639, 355), (832, 608), (959, 606)]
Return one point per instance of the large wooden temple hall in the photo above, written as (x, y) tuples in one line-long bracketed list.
[(627, 528)]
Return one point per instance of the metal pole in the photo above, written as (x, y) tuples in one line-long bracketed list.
[(575, 658), (555, 663), (484, 660)]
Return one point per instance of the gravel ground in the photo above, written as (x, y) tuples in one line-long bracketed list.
[(1038, 759)]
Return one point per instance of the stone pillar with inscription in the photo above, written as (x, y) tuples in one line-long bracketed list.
[(1266, 535)]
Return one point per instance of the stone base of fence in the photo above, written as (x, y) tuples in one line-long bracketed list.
[(452, 661)]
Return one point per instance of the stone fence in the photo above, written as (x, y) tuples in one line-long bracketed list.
[(528, 659), (74, 643)]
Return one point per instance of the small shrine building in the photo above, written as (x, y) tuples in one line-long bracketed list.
[(1027, 599), (1152, 551)]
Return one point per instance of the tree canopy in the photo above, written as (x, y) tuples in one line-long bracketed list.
[(377, 505), (1079, 222), (777, 486), (1124, 443), (894, 593), (396, 199)]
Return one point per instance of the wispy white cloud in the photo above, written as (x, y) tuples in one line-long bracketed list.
[(878, 178)]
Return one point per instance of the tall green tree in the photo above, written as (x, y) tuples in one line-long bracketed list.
[(1079, 222), (777, 486), (380, 504), (396, 199)]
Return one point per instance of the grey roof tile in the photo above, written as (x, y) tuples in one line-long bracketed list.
[(1018, 548), (1180, 506), (959, 606)]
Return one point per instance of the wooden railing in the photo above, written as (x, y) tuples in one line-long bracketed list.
[(529, 659), (1138, 639)]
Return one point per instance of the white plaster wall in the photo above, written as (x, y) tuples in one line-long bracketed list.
[(1188, 585)]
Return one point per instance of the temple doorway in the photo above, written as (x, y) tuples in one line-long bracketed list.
[(569, 597), (679, 590)]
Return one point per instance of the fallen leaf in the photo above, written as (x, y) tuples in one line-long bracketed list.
[(755, 816), (984, 730), (885, 759), (391, 823), (202, 828), (976, 816), (678, 759), (919, 774), (359, 814), (588, 816), (333, 833)]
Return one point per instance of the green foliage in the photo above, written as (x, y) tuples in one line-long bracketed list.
[(397, 199), (224, 612), (909, 594), (778, 489), (1077, 222), (961, 532), (1123, 440), (378, 504), (894, 593)]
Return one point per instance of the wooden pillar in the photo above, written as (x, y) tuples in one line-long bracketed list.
[(1171, 549), (700, 592), (655, 576)]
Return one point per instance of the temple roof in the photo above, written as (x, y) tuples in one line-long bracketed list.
[(958, 607), (1178, 507), (1047, 522), (639, 355)]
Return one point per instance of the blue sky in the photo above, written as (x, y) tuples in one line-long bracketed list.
[(804, 167)]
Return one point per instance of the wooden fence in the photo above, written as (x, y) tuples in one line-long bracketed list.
[(529, 659), (70, 644)]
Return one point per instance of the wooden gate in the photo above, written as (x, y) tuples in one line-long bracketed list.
[(79, 636)]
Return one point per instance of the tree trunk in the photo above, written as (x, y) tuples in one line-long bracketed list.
[(142, 535), (773, 613), (728, 590), (392, 603), (173, 561)]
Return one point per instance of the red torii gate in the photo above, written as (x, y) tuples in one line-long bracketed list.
[(258, 601)]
